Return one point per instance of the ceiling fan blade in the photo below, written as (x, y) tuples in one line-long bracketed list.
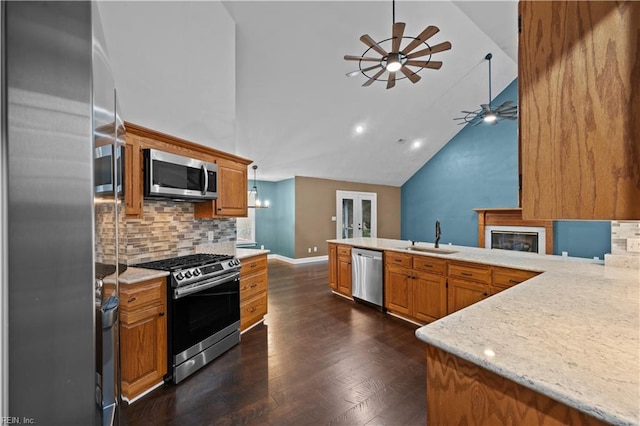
[(356, 72), (392, 80), (360, 58), (374, 78), (410, 75), (436, 65), (505, 103), (430, 50), (425, 35), (485, 107), (372, 44), (398, 31)]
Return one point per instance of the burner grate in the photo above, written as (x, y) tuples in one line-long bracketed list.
[(188, 261)]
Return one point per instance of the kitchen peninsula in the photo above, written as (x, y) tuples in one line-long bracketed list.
[(561, 347)]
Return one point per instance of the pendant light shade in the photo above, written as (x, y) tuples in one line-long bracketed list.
[(258, 203)]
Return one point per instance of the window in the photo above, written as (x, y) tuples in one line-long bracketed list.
[(246, 226)]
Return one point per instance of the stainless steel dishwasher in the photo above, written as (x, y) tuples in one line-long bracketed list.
[(366, 276)]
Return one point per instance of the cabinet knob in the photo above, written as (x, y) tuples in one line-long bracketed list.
[(161, 314), (485, 294), (133, 299)]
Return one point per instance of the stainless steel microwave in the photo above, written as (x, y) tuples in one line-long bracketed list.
[(180, 178)]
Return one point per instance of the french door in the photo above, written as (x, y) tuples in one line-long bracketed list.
[(356, 214)]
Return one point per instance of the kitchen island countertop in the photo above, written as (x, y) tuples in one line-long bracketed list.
[(571, 333)]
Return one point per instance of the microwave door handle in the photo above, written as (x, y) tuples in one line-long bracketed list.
[(206, 179)]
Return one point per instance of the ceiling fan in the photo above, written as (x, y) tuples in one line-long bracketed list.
[(488, 113), (398, 58)]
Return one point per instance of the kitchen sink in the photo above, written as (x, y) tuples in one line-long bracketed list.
[(431, 250)]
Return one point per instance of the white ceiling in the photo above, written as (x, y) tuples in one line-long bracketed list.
[(296, 109)]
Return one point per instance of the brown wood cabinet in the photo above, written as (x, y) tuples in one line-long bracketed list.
[(579, 106), (143, 336), (133, 177), (344, 269), (232, 172), (333, 266), (504, 278), (253, 290), (232, 192), (459, 392), (415, 286), (468, 283)]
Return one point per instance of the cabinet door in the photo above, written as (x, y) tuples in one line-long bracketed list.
[(463, 293), (232, 192), (429, 296), (333, 267), (397, 290), (344, 276), (143, 348), (133, 177)]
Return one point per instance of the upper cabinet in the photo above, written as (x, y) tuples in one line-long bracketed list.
[(232, 173), (232, 192), (579, 68)]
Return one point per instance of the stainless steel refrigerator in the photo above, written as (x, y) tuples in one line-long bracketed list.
[(62, 216)]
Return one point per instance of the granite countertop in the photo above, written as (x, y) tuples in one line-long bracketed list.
[(135, 275), (243, 253), (571, 333)]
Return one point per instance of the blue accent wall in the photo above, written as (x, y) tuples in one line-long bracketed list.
[(478, 168), (275, 226)]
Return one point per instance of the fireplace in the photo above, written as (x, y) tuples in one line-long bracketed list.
[(505, 229)]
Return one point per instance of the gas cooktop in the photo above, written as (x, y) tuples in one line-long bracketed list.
[(183, 262)]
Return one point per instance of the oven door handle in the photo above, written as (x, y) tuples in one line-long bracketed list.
[(195, 288)]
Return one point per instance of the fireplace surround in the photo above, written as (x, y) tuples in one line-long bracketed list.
[(505, 229)]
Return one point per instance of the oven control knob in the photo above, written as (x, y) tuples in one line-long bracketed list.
[(187, 274), (231, 264), (179, 276), (196, 272)]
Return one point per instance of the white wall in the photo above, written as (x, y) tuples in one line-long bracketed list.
[(174, 67)]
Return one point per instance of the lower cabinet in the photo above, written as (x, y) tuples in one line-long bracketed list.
[(468, 283), (143, 336), (504, 278), (344, 270), (253, 290), (333, 266), (415, 286)]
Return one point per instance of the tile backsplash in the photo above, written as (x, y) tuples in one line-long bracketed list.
[(168, 229), (624, 233)]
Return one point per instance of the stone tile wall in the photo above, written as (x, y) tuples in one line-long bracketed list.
[(622, 232)]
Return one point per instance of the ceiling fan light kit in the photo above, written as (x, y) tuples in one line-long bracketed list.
[(487, 113), (398, 58)]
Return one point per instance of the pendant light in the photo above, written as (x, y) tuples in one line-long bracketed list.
[(258, 204)]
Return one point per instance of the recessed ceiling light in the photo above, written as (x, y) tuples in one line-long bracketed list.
[(416, 144), (359, 129)]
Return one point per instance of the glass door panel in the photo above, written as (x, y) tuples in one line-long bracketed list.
[(355, 214)]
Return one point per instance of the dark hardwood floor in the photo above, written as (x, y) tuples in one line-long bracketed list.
[(319, 359)]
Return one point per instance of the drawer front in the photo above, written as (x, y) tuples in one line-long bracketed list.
[(135, 295), (253, 264), (430, 264), (509, 277), (253, 284), (399, 259), (470, 271), (252, 311), (132, 317), (344, 251)]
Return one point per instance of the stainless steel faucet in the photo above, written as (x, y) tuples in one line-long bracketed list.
[(438, 232)]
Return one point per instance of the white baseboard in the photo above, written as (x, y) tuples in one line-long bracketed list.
[(299, 260)]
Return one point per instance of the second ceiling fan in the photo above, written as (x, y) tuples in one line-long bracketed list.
[(399, 58)]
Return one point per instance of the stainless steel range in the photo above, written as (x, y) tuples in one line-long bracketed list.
[(203, 303)]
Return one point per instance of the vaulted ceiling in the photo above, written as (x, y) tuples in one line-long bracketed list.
[(296, 111)]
